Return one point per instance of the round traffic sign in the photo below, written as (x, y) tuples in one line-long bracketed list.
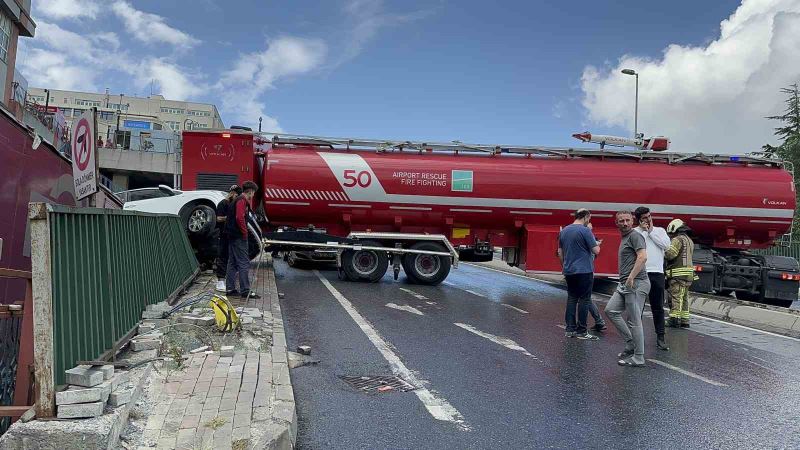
[(82, 144)]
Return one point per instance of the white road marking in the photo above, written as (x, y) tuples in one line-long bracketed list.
[(448, 283), (475, 293), (687, 373), (505, 342), (430, 303), (515, 308), (563, 327), (553, 283), (407, 308), (437, 406), (418, 296), (760, 365)]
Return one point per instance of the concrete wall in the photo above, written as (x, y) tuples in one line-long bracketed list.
[(136, 161)]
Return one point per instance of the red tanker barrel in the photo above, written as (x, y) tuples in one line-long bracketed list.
[(751, 205)]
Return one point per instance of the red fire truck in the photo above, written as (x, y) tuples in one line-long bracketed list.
[(427, 206)]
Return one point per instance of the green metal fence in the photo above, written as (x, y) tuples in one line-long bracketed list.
[(793, 250), (107, 266)]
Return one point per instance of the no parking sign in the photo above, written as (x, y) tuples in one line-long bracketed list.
[(84, 155)]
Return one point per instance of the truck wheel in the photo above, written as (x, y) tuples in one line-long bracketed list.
[(294, 262), (199, 220), (426, 269), (365, 265)]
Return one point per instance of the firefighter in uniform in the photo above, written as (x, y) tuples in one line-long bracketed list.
[(679, 273)]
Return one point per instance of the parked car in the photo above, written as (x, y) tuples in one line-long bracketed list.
[(197, 209)]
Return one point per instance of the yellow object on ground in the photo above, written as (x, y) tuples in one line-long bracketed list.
[(224, 313)]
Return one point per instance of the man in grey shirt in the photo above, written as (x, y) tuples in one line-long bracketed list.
[(631, 292)]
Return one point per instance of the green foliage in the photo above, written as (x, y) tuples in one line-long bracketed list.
[(789, 149)]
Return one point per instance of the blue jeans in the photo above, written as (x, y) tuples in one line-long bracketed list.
[(579, 294)]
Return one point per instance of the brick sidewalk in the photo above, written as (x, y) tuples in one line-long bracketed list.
[(238, 402), (213, 402)]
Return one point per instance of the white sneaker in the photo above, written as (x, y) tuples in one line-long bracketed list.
[(221, 285)]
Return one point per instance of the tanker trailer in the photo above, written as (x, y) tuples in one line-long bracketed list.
[(425, 206)]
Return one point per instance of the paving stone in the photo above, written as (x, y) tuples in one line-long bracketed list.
[(247, 320), (81, 410), (215, 392), (145, 344), (146, 328), (107, 387), (84, 376), (167, 443), (73, 396), (152, 314), (248, 387), (212, 403), (261, 414), (218, 382), (227, 404), (108, 371), (284, 392), (120, 398), (225, 351), (155, 422), (120, 378), (241, 420), (240, 433), (186, 436), (190, 422)]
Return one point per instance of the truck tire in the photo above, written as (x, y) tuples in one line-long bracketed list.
[(426, 269), (199, 220), (365, 265)]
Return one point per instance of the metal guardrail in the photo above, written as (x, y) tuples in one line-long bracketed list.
[(105, 266)]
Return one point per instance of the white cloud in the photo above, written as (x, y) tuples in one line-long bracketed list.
[(67, 9), (44, 68), (255, 73), (173, 81), (367, 18), (151, 28), (711, 98)]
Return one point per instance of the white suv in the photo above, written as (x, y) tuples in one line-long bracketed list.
[(197, 209)]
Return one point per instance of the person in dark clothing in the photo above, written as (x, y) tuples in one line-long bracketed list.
[(222, 216), (238, 259)]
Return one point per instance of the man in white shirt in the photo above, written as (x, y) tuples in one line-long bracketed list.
[(657, 242)]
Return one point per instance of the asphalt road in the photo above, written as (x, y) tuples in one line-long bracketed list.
[(488, 352)]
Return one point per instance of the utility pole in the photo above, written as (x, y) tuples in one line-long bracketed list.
[(636, 104), (259, 124), (119, 113)]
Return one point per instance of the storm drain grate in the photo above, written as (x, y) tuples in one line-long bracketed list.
[(373, 384)]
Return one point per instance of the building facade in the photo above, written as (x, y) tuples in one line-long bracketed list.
[(15, 21), (133, 113), (139, 138)]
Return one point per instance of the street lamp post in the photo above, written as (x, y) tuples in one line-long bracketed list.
[(636, 104), (259, 124)]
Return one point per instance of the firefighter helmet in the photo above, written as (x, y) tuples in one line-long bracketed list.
[(675, 225)]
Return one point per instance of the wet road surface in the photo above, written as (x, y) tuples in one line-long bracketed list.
[(488, 352)]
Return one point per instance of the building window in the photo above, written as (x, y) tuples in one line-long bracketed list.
[(194, 112), (172, 110), (174, 125), (106, 115), (87, 103), (123, 139), (77, 112), (118, 106), (5, 36)]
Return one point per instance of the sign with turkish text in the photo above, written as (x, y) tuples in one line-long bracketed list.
[(84, 155)]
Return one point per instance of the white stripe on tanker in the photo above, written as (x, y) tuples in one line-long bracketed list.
[(374, 192)]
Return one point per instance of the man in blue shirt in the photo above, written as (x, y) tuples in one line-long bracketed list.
[(577, 248)]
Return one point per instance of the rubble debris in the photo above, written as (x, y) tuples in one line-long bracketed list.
[(226, 350), (304, 349), (120, 398), (200, 349), (80, 411), (84, 376), (75, 396), (144, 344), (108, 371)]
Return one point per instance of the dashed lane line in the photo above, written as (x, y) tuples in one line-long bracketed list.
[(409, 291), (505, 342), (553, 283), (687, 373), (437, 407), (406, 308), (515, 308)]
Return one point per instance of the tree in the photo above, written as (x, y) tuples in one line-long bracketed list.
[(789, 149)]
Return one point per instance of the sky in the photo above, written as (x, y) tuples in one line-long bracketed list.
[(512, 72)]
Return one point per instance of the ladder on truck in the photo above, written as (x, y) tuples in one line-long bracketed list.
[(457, 147)]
